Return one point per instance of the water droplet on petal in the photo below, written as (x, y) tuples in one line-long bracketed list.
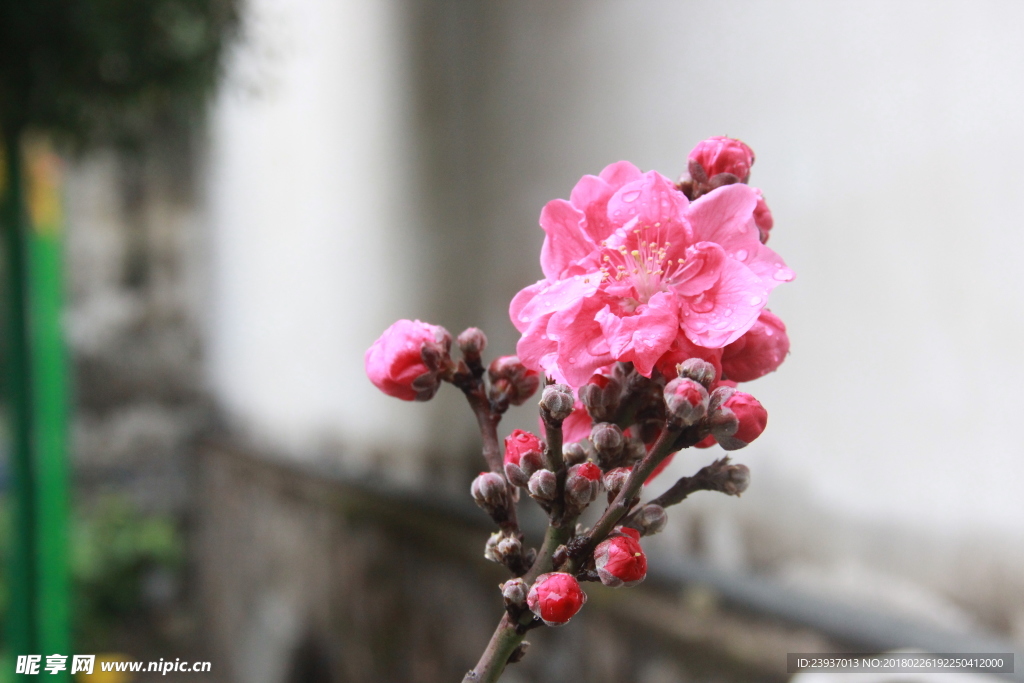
[(631, 196), (572, 361), (721, 325), (769, 332), (741, 254), (524, 318), (755, 300), (782, 274), (547, 303), (728, 311)]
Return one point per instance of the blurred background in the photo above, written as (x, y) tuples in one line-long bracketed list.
[(254, 190)]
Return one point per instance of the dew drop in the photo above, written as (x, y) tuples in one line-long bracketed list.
[(632, 196), (721, 325), (524, 318), (728, 311), (755, 300), (769, 332), (572, 361), (782, 274), (741, 254)]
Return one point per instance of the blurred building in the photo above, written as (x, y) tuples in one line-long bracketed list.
[(369, 161)]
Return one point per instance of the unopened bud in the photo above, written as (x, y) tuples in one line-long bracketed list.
[(509, 546), (719, 396), (600, 396), (719, 155), (512, 380), (740, 419), (607, 439), (502, 546), (543, 485), (557, 401), (514, 592), (699, 370), (686, 401), (574, 453), (489, 491), (582, 484), (556, 598), (738, 481), (652, 519), (472, 342), (619, 559), (615, 479), (523, 455)]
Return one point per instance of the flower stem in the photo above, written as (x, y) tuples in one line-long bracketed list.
[(503, 643)]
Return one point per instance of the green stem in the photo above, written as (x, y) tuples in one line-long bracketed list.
[(492, 663)]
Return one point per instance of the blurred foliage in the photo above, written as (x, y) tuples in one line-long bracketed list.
[(116, 552), (109, 71)]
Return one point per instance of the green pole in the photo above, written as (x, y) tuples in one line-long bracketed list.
[(49, 404), (39, 620)]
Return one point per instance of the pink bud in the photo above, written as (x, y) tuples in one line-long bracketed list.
[(760, 351), (513, 379), (583, 483), (763, 217), (556, 598), (472, 341), (407, 360), (615, 479), (724, 155), (751, 418), (620, 560), (519, 443), (514, 592), (607, 439), (652, 519), (686, 400)]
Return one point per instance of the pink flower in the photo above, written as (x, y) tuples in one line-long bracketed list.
[(760, 351), (724, 155), (620, 560), (630, 265), (408, 359), (556, 598)]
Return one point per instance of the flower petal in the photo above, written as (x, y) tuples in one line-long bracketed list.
[(566, 241), (643, 337), (722, 313)]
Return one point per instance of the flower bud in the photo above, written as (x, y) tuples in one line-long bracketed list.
[(652, 519), (740, 419), (472, 342), (557, 401), (489, 491), (763, 218), (600, 396), (582, 484), (556, 598), (760, 351), (738, 481), (619, 559), (607, 439), (543, 485), (686, 401), (719, 396), (512, 380), (615, 479), (720, 154), (408, 359), (514, 592), (502, 546), (699, 370), (574, 453), (520, 444)]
